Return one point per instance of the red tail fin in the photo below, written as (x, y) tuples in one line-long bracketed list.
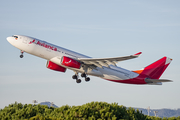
[(156, 69)]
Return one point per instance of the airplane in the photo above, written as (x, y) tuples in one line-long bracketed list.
[(60, 59)]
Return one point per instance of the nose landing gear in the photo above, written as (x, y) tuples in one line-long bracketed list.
[(21, 56)]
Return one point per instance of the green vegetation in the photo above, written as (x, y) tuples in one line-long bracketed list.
[(89, 111)]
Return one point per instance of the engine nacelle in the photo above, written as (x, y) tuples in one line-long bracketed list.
[(55, 67), (69, 62)]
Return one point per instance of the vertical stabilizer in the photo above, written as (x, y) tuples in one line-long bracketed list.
[(156, 69)]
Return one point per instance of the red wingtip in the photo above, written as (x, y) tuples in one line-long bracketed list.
[(137, 54)]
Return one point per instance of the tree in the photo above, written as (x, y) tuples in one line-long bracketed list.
[(89, 111)]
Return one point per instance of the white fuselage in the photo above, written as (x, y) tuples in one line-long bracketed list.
[(54, 53)]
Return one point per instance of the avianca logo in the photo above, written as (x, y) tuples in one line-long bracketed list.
[(68, 62), (32, 41), (43, 45)]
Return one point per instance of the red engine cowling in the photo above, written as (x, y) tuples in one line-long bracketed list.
[(69, 62), (55, 67)]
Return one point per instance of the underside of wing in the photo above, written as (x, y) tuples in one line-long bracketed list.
[(100, 62)]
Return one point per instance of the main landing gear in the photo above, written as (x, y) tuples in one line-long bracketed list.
[(76, 77), (82, 75), (85, 76), (21, 56)]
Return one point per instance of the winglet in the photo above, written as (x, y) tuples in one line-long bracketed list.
[(137, 54)]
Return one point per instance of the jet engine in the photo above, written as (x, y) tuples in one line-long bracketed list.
[(69, 62), (55, 67)]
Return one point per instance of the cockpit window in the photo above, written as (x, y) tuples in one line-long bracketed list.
[(16, 37)]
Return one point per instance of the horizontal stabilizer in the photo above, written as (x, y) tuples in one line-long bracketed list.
[(157, 80)]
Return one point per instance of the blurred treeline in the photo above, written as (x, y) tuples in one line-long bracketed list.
[(89, 111)]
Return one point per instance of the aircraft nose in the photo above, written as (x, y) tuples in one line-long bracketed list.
[(9, 39)]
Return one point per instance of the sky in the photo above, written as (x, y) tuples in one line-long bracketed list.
[(98, 29)]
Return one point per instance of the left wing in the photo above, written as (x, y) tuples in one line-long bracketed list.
[(100, 62)]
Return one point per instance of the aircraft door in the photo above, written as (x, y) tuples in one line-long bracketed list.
[(25, 40)]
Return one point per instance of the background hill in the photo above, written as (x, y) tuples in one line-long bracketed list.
[(49, 104), (161, 112)]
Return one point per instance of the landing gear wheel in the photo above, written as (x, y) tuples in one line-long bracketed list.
[(87, 79), (74, 76), (83, 75), (21, 56), (78, 80)]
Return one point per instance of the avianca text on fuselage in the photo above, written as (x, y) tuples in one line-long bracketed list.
[(37, 42), (104, 68)]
